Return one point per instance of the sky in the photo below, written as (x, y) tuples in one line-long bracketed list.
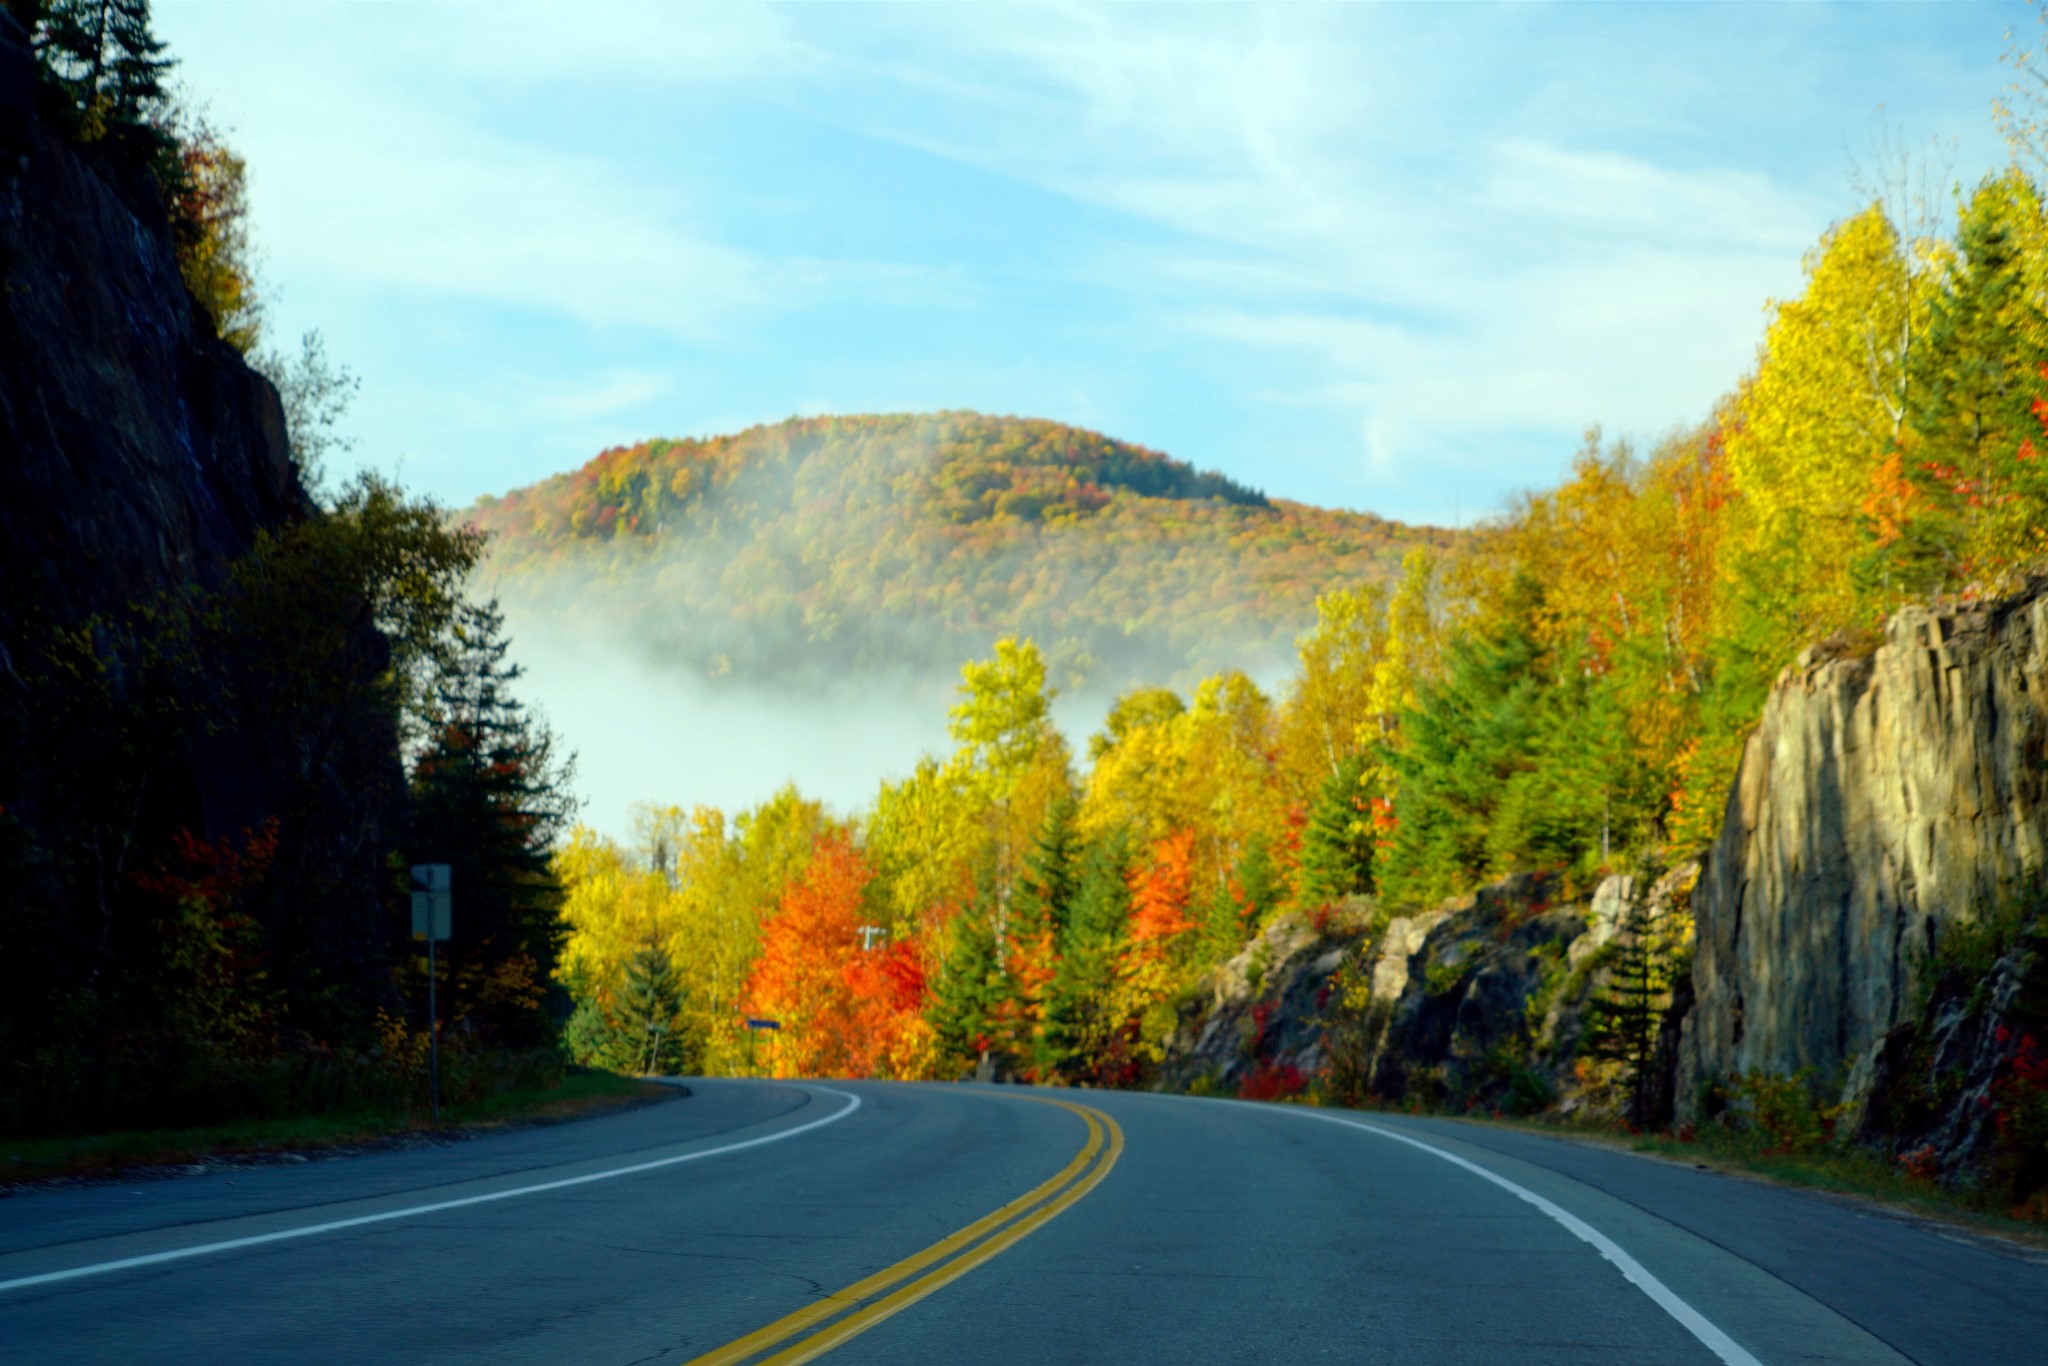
[(1387, 257)]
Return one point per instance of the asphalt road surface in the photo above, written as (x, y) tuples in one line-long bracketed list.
[(861, 1222)]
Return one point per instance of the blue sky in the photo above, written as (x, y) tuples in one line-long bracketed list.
[(1393, 257)]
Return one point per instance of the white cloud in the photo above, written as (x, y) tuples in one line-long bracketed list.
[(1436, 273)]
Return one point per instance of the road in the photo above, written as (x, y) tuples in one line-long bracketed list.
[(1126, 1228)]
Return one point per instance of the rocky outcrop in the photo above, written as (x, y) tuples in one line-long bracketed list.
[(1262, 1012), (139, 450), (1459, 1027), (1885, 799), (1478, 1003)]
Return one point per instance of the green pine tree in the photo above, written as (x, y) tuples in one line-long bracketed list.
[(1516, 759), (1080, 1032), (649, 1003), (1626, 1015), (490, 798), (968, 998), (1973, 379), (104, 58), (1337, 845), (1046, 890)]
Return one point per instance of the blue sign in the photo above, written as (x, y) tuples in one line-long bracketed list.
[(753, 1023)]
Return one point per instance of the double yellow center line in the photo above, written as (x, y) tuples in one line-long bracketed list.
[(848, 1313)]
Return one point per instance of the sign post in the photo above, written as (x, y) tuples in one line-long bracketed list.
[(754, 1027), (431, 902)]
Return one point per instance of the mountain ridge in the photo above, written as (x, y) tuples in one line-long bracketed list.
[(873, 543)]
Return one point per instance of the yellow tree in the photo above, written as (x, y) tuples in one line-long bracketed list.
[(921, 837), (1811, 429), (1003, 726), (1329, 706), (1138, 782), (1232, 791)]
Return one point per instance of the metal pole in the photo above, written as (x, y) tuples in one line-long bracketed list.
[(433, 1029)]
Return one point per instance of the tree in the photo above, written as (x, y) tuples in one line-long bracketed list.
[(967, 1001), (1974, 499), (1003, 728), (1134, 710), (1003, 710), (648, 1005), (490, 799), (1084, 1038), (1337, 844), (1329, 709), (1827, 404), (847, 1007), (1045, 892), (102, 55), (316, 395), (1625, 1019)]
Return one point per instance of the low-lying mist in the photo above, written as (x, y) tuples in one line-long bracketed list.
[(647, 731), (703, 622)]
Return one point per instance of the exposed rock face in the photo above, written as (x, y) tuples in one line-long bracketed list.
[(140, 451), (1459, 1021), (1475, 1003), (1883, 798), (1266, 1005)]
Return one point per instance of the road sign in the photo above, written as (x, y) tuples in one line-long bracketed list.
[(431, 902), (430, 916), (753, 1023)]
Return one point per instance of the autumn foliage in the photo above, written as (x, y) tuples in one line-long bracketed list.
[(844, 1009), (1561, 689)]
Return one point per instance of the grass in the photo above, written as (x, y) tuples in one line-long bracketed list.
[(1836, 1171), (581, 1093)]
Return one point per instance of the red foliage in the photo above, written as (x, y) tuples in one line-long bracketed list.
[(845, 1010), (214, 873), (1160, 889), (1272, 1081)]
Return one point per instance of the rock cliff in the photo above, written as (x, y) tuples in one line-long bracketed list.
[(139, 450), (1885, 799), (1479, 1003)]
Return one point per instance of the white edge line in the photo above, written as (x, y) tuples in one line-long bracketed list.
[(308, 1230), (1694, 1322)]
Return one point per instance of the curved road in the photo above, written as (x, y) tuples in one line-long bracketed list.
[(994, 1224)]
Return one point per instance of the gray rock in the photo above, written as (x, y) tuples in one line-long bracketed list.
[(1884, 797)]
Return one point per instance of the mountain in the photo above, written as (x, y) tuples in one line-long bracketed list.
[(819, 549)]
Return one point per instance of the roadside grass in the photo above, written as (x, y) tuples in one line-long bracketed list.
[(582, 1092), (1841, 1171)]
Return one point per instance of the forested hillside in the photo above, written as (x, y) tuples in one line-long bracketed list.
[(823, 547)]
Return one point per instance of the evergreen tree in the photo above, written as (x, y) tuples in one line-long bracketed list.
[(595, 1040), (135, 65), (103, 56), (490, 799), (1080, 1024), (968, 998), (1038, 910), (1046, 890), (1626, 1015), (1337, 846), (1975, 379), (649, 1003), (1518, 758)]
